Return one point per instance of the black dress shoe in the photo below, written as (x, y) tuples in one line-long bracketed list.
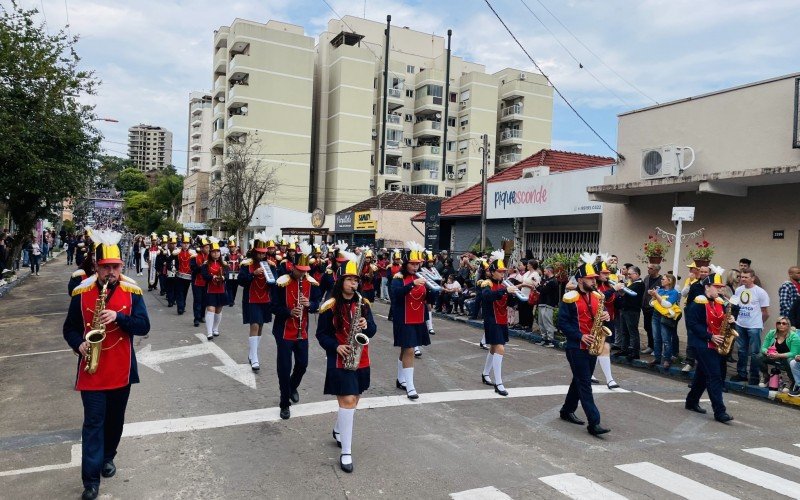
[(500, 391), (109, 469), (412, 396), (486, 380), (334, 434), (571, 418), (695, 408), (345, 467), (596, 430), (196, 323), (431, 332), (285, 413), (89, 493), (295, 397), (399, 385), (724, 418)]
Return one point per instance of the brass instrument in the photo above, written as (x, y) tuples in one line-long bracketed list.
[(97, 334), (624, 288), (599, 330), (356, 340), (429, 281), (728, 332)]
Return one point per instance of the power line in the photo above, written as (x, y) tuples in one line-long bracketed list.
[(580, 64), (551, 82), (634, 87)]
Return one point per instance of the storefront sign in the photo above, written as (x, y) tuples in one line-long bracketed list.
[(344, 222), (548, 195), (363, 221), (433, 210)]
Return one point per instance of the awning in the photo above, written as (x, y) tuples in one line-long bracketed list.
[(196, 226), (729, 183)]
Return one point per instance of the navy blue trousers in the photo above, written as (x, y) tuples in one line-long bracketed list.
[(170, 283), (289, 379), (181, 290), (580, 389), (103, 418), (198, 301), (231, 287), (707, 376)]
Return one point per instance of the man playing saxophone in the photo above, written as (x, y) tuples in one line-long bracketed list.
[(105, 392), (335, 330), (705, 317), (577, 317)]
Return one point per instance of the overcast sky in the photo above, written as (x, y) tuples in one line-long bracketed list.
[(150, 54)]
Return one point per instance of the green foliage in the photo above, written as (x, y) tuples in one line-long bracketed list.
[(564, 265), (168, 225), (109, 169), (131, 180), (475, 248), (155, 208), (68, 226), (48, 141), (168, 193)]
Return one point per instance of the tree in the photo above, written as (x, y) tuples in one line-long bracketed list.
[(131, 180), (245, 182), (168, 193), (48, 141), (142, 214), (109, 168)]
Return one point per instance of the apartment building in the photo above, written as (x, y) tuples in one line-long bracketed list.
[(262, 91), (201, 122), (513, 107), (150, 147)]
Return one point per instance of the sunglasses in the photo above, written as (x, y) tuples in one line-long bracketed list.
[(782, 323)]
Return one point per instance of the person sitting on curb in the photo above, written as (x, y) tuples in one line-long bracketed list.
[(781, 345)]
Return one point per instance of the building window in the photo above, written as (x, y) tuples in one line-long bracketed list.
[(409, 92), (394, 135), (451, 145), (464, 121), (431, 165), (463, 145), (374, 83), (448, 192), (373, 110), (462, 170), (372, 160), (425, 189), (433, 90), (453, 97), (409, 118), (407, 141), (451, 121), (405, 188), (409, 69), (407, 165), (465, 95)]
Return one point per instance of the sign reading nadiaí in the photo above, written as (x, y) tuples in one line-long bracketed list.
[(547, 195)]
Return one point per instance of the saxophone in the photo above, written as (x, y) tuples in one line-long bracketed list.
[(728, 332), (97, 334), (356, 340), (599, 330)]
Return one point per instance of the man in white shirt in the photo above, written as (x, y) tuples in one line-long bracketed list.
[(753, 303)]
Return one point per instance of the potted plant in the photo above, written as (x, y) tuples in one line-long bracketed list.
[(702, 253), (655, 249)]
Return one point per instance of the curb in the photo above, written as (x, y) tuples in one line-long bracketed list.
[(673, 372), (22, 275)]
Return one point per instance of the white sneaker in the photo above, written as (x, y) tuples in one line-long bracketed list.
[(216, 334)]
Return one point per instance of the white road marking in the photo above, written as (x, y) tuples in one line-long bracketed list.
[(672, 482), (75, 461), (775, 455), (748, 474), (486, 493), (470, 342), (579, 488), (666, 400), (380, 316), (34, 353)]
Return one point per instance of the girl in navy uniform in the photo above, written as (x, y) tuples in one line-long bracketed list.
[(367, 275), (216, 298), (496, 299), (198, 282), (256, 290), (409, 304), (234, 261), (333, 334)]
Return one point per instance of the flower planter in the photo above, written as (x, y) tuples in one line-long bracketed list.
[(701, 262), (655, 259)]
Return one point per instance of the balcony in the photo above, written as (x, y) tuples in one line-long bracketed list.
[(196, 132), (511, 113), (395, 98), (238, 94), (428, 103), (510, 136), (195, 156), (427, 128), (221, 60), (197, 120), (513, 90), (219, 86), (391, 170), (219, 109), (508, 159), (236, 121), (434, 151), (221, 37), (235, 68), (394, 121), (393, 148), (196, 108), (239, 47), (217, 136)]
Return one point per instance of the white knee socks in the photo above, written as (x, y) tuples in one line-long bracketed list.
[(401, 376), (217, 321), (429, 322), (210, 323), (487, 367), (483, 339), (605, 365), (497, 367), (408, 376), (345, 423), (253, 355)]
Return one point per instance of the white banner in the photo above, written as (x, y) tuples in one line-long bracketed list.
[(548, 195)]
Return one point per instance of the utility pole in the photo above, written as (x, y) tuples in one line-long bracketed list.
[(446, 110), (384, 103), (485, 149)]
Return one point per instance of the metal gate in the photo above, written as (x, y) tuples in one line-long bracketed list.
[(543, 245)]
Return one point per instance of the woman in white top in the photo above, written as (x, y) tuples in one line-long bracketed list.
[(36, 254)]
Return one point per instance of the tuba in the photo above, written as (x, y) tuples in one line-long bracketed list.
[(355, 339), (97, 334), (599, 330), (728, 332)]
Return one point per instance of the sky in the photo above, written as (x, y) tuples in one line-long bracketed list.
[(150, 54)]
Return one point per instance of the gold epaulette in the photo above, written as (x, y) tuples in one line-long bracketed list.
[(486, 283), (127, 278), (85, 285), (570, 297), (701, 299), (284, 280), (327, 305), (398, 276), (312, 280), (720, 300), (176, 251), (329, 271), (192, 253), (246, 262), (79, 272), (130, 287), (599, 295)]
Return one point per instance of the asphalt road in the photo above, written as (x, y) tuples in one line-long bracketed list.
[(200, 425)]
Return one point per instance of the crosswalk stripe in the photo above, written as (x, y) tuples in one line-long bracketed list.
[(486, 493), (775, 455), (748, 474), (672, 482), (579, 488)]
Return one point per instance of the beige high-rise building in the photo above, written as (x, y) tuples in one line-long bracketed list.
[(262, 90), (150, 147), (513, 107), (201, 122)]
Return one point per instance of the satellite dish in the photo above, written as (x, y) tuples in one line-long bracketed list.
[(438, 115), (244, 109)]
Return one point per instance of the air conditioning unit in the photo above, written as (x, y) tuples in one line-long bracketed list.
[(661, 162), (372, 183), (374, 133), (462, 104), (222, 98), (535, 171), (522, 76), (451, 176)]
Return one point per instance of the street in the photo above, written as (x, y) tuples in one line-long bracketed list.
[(202, 425)]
